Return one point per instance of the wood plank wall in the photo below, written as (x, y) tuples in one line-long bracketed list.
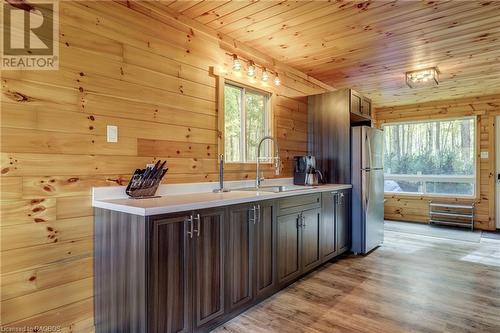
[(486, 108), (144, 71)]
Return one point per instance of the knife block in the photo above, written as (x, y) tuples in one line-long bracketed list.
[(142, 190)]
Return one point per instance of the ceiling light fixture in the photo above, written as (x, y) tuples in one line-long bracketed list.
[(277, 80), (265, 75), (251, 69), (424, 77), (236, 63)]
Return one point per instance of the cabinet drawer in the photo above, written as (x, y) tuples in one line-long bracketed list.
[(298, 203)]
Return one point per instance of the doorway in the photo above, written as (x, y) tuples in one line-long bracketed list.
[(497, 153)]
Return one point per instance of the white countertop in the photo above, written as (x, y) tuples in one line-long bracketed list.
[(176, 198)]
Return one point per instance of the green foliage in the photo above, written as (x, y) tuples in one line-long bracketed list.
[(255, 123), (232, 122), (446, 163), (430, 148)]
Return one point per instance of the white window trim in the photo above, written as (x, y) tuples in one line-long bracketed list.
[(430, 120), (268, 149), (433, 178), (441, 178)]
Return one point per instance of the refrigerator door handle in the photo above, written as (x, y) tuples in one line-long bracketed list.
[(370, 156), (368, 184)]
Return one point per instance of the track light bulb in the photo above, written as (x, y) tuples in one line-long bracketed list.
[(265, 75), (251, 69), (236, 63), (277, 80)]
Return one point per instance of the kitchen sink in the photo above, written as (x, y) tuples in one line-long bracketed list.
[(276, 189)]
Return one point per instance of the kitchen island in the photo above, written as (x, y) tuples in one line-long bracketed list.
[(192, 259)]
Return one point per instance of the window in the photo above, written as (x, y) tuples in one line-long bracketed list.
[(431, 157), (246, 121)]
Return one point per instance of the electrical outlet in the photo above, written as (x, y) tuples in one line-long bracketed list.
[(484, 155), (112, 133)]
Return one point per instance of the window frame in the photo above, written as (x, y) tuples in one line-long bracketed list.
[(442, 178), (268, 121)]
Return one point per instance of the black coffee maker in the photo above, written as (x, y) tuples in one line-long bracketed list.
[(305, 172)]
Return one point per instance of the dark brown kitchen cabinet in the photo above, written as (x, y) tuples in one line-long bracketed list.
[(330, 117), (311, 250), (366, 107), (343, 221), (329, 232), (187, 265), (356, 102), (250, 248), (208, 266), (192, 271), (335, 226), (265, 250), (121, 257), (361, 106), (288, 247), (170, 275), (299, 236), (329, 135), (240, 237)]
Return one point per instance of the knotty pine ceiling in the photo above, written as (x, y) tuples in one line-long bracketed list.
[(369, 45)]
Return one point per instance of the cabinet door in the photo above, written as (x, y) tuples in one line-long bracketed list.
[(366, 107), (239, 246), (265, 249), (170, 287), (328, 226), (343, 222), (356, 102), (311, 253), (208, 266), (288, 234), (329, 134)]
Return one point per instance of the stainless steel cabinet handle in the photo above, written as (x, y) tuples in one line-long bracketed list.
[(198, 225), (299, 221), (303, 221), (258, 213), (250, 217), (190, 226), (251, 213)]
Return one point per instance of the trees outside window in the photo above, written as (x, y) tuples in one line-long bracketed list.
[(431, 157), (246, 122)]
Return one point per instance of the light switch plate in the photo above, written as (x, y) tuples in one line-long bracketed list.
[(484, 155), (112, 133)]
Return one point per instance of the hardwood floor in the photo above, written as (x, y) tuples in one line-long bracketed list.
[(412, 283)]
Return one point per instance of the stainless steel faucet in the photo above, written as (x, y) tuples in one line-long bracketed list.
[(276, 159), (221, 175)]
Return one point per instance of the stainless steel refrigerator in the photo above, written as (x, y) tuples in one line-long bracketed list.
[(367, 146)]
